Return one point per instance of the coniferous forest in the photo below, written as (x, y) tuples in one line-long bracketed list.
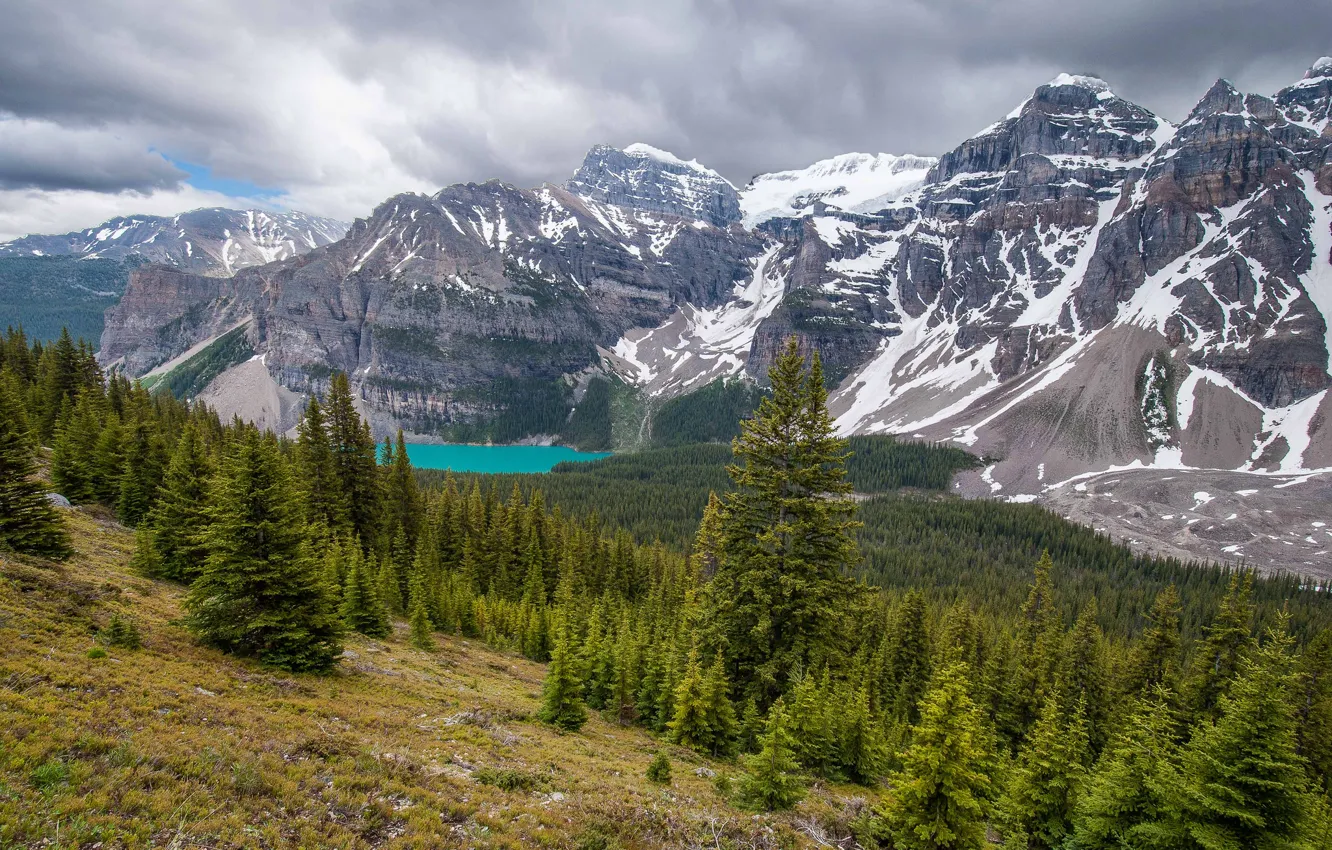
[(991, 672)]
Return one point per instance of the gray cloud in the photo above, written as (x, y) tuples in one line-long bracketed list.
[(43, 155), (344, 103)]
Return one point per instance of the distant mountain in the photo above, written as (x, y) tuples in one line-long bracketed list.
[(211, 241), (50, 282), (1082, 288)]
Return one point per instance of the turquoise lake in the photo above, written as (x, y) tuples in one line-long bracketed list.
[(468, 458)]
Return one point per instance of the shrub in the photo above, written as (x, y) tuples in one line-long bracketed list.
[(97, 652), (49, 775), (659, 770)]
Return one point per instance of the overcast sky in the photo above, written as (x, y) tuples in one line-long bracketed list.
[(112, 107)]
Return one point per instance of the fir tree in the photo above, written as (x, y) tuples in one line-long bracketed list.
[(1313, 709), (179, 519), (780, 593), (260, 593), (1228, 637), (862, 751), (689, 725), (907, 659), (387, 587), (659, 771), (28, 522), (940, 799), (1084, 676), (1155, 659), (771, 780), (1044, 787), (708, 542), (361, 608), (561, 697), (354, 460), (144, 462), (1242, 784), (810, 725), (1124, 803), (325, 499)]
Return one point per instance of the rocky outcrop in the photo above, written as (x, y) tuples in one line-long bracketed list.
[(642, 177)]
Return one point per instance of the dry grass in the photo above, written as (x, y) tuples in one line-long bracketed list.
[(177, 746)]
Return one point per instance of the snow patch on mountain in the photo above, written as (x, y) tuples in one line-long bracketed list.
[(857, 182)]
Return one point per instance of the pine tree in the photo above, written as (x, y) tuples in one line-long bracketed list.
[(708, 542), (28, 522), (326, 500), (561, 698), (721, 713), (1039, 640), (362, 609), (941, 795), (354, 460), (144, 462), (260, 593), (689, 724), (422, 631), (862, 752), (810, 725), (109, 460), (1242, 784), (387, 587), (780, 593), (1155, 658), (659, 771), (1228, 637), (1125, 800), (179, 519), (1051, 770), (1084, 676), (771, 780), (907, 659), (1313, 709)]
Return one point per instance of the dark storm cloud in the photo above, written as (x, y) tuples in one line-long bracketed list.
[(345, 102), (44, 155)]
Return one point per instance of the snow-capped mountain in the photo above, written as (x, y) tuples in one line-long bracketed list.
[(854, 182), (212, 240), (1081, 287)]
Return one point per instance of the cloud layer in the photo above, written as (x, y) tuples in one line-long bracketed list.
[(344, 103)]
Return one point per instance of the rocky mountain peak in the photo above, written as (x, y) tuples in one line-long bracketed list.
[(1321, 68), (855, 182), (1220, 99), (653, 180)]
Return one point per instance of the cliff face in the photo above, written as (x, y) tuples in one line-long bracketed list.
[(1080, 285)]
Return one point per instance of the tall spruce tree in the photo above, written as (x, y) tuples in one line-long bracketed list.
[(354, 461), (562, 692), (941, 797), (1155, 658), (780, 593), (145, 459), (361, 608), (1043, 789), (260, 593), (326, 500), (1242, 784), (28, 522), (1313, 709), (178, 521), (1125, 800), (1228, 637)]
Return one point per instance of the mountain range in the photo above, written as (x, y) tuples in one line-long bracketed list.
[(1103, 304)]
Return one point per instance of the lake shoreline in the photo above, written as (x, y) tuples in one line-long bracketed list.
[(503, 458)]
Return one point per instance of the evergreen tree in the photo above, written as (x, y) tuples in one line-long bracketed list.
[(1084, 676), (659, 771), (259, 593), (354, 460), (689, 725), (362, 609), (1313, 709), (811, 726), (178, 521), (326, 500), (771, 780), (404, 498), (862, 751), (940, 799), (561, 698), (28, 522), (1242, 784), (1155, 659), (422, 631), (387, 587), (780, 593), (144, 462), (907, 661), (1125, 801), (709, 541), (109, 460), (1044, 787), (1228, 637)]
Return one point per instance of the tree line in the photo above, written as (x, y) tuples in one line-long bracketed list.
[(757, 644)]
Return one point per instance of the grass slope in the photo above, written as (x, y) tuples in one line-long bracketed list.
[(180, 746)]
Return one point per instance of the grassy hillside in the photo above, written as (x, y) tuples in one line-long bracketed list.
[(174, 745)]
